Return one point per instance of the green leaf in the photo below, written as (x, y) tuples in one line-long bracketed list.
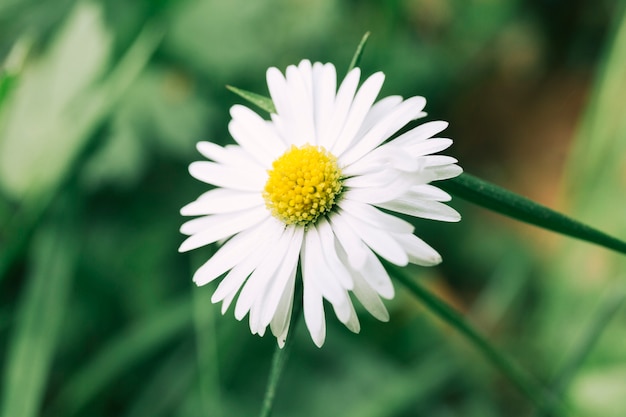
[(356, 59), (34, 338), (505, 202), (262, 102)]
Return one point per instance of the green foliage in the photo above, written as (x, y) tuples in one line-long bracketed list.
[(100, 106)]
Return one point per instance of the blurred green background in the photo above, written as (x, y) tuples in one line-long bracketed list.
[(101, 104)]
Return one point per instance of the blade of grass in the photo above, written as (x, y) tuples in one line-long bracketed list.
[(356, 59), (505, 202), (262, 102), (539, 396), (120, 354), (40, 316), (167, 386), (19, 227), (204, 312), (590, 338)]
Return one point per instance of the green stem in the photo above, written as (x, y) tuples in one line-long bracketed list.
[(356, 59), (540, 397), (280, 355), (505, 202)]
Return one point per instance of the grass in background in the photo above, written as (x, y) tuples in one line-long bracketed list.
[(97, 313)]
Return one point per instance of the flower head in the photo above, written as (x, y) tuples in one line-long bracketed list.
[(305, 190)]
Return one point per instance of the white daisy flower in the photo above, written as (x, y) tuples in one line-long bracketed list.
[(305, 190)]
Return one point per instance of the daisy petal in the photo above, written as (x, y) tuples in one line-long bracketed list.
[(420, 253), (234, 251), (402, 114), (282, 318), (376, 276), (255, 135), (378, 240), (325, 81), (421, 132), (428, 147), (425, 209), (350, 242), (376, 217), (221, 226), (228, 177), (343, 101), (286, 271), (314, 311), (222, 200), (360, 107)]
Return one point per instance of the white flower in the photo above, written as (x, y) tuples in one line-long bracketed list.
[(305, 190)]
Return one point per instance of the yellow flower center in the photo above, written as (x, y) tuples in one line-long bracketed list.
[(303, 184)]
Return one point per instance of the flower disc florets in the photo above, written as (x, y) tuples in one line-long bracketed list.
[(303, 185)]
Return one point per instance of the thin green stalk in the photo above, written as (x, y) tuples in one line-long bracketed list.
[(505, 202), (280, 356), (539, 396), (356, 59), (207, 351)]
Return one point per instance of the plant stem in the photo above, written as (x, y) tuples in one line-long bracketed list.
[(538, 395), (505, 202), (280, 355)]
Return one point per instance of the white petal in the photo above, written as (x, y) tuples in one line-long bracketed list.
[(222, 226), (369, 299), (313, 306), (375, 217), (374, 195), (396, 119), (277, 86), (222, 200), (251, 179), (338, 268), (433, 210), (420, 253), (360, 107), (282, 318), (343, 102), (385, 156), (380, 178), (302, 129), (228, 288), (439, 160), (421, 132), (287, 269), (379, 110), (376, 276), (325, 88), (380, 241), (352, 321), (255, 135), (441, 172), (349, 240), (428, 147), (315, 267), (234, 251), (429, 192), (257, 282), (232, 156)]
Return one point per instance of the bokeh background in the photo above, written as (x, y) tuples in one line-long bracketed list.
[(101, 104)]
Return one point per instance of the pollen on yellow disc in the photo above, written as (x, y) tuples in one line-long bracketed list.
[(303, 184)]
